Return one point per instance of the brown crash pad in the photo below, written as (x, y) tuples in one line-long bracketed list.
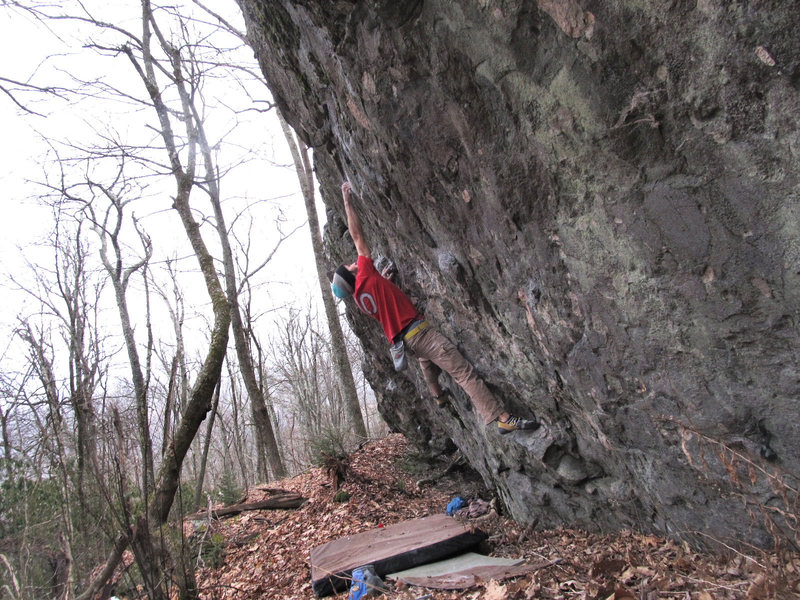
[(389, 549)]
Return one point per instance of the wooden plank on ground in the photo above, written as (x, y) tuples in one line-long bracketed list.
[(390, 549)]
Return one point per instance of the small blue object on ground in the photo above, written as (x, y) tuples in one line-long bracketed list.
[(358, 588), (455, 504), (365, 583)]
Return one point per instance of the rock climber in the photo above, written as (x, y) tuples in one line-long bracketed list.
[(376, 295)]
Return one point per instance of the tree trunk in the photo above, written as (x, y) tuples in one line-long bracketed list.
[(238, 441), (150, 557), (203, 390), (139, 389), (6, 443), (265, 435), (168, 404), (265, 411), (113, 560), (120, 277), (198, 493), (82, 369), (344, 372)]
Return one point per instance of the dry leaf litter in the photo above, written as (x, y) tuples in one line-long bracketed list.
[(265, 554)]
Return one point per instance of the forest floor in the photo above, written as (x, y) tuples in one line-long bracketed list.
[(265, 554)]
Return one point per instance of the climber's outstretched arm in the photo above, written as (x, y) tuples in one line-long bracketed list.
[(354, 223)]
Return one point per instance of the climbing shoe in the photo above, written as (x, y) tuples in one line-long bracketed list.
[(516, 424), (443, 398)]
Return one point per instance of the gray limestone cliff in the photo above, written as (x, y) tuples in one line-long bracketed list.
[(598, 202)]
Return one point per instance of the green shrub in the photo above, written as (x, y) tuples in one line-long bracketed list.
[(24, 502), (229, 491), (329, 445), (212, 550)]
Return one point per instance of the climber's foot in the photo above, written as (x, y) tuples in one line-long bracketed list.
[(443, 398), (513, 423)]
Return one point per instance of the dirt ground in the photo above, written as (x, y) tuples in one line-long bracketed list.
[(265, 554)]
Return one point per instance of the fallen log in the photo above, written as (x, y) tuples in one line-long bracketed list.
[(290, 500), (273, 491)]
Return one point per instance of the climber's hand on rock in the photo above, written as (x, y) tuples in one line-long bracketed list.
[(389, 272)]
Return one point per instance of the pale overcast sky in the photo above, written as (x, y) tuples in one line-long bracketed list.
[(32, 53)]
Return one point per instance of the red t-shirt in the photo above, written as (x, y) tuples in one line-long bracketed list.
[(382, 300)]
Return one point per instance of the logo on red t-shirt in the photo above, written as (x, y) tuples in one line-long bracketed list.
[(367, 303)]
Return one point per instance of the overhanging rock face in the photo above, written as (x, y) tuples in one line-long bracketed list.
[(598, 202)]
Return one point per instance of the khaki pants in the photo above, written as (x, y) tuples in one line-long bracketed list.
[(436, 354)]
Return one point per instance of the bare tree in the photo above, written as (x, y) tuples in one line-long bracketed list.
[(171, 71), (344, 373), (185, 157), (42, 362), (262, 412), (302, 365), (209, 181), (240, 451), (198, 494), (265, 434), (299, 362), (64, 350), (79, 299), (108, 228), (66, 295)]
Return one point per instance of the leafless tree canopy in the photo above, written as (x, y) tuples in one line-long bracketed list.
[(157, 364)]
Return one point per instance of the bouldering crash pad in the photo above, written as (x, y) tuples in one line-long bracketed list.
[(390, 549), (464, 571), (458, 563)]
